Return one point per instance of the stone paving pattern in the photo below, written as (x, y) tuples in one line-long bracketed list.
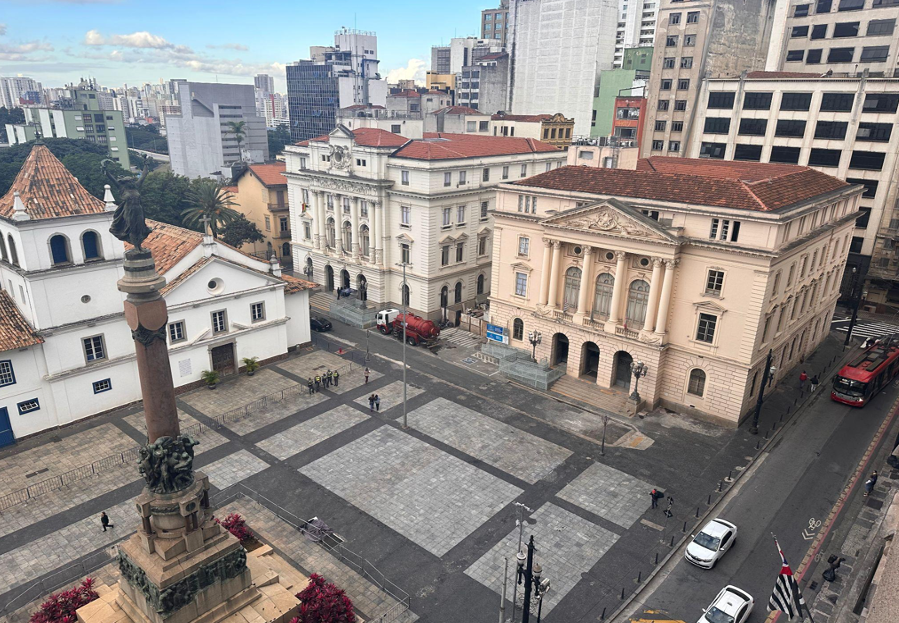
[(233, 394), (275, 412), (233, 468), (316, 362), (514, 451), (391, 395), (311, 432), (433, 499), (567, 546), (609, 493), (208, 438)]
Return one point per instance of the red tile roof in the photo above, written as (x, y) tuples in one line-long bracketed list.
[(406, 93), (231, 189), (727, 185), (458, 110), (294, 285), (170, 244), (364, 107), (443, 146), (375, 137), (781, 74), (504, 117), (270, 174), (48, 190), (15, 332)]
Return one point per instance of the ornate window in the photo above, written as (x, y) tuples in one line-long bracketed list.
[(364, 239), (518, 329), (572, 287), (458, 292), (347, 237), (480, 284), (637, 300), (330, 233), (602, 302), (696, 385)]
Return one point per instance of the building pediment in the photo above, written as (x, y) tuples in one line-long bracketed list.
[(404, 237), (710, 306), (612, 218), (521, 267)]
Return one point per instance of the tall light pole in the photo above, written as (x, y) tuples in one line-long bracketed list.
[(639, 370), (403, 296), (529, 573), (534, 338), (519, 557)]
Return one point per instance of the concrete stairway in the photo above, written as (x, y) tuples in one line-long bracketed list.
[(587, 391)]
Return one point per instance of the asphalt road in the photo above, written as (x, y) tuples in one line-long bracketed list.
[(793, 487)]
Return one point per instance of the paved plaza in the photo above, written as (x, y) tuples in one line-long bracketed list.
[(431, 507)]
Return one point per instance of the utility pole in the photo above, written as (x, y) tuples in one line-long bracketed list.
[(754, 429), (403, 291)]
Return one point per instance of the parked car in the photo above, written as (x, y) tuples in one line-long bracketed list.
[(732, 605), (707, 547), (320, 324)]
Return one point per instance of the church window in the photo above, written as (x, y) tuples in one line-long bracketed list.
[(7, 375), (219, 322), (94, 349), (176, 331), (28, 406), (102, 386), (90, 243), (257, 312), (59, 250)]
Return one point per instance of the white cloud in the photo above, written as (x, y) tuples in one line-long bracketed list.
[(141, 39), (2, 29), (415, 69), (23, 51), (229, 46)]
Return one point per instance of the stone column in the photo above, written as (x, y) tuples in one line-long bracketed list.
[(618, 288), (544, 275), (146, 315), (320, 220), (655, 287), (586, 279), (354, 219), (553, 296), (373, 231), (383, 231), (665, 301)]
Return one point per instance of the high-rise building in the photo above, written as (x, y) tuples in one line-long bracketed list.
[(264, 82), (495, 23), (440, 59), (628, 81), (484, 84), (692, 43), (18, 90), (334, 77), (846, 36), (202, 142), (556, 71), (636, 26)]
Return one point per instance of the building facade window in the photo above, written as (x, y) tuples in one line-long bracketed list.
[(521, 284), (524, 244), (705, 332), (518, 329), (59, 250), (257, 312), (405, 216), (637, 301), (485, 205), (94, 348), (572, 287), (176, 332), (795, 101), (219, 322), (7, 374), (102, 386), (90, 244), (714, 282), (602, 300), (444, 255), (405, 254), (696, 384), (447, 179), (404, 177), (460, 252), (27, 406)]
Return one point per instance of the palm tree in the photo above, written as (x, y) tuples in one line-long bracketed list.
[(209, 200), (237, 129)]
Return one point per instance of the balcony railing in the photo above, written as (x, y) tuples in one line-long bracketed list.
[(277, 207), (595, 324), (284, 233), (560, 315), (628, 333)]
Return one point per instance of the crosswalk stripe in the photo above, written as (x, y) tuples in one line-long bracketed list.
[(459, 337), (874, 329)]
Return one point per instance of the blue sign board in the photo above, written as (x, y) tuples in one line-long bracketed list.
[(496, 334)]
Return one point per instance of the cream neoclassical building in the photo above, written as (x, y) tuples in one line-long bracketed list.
[(695, 268)]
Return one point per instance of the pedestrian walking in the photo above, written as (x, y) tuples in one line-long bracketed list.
[(311, 386), (366, 373), (803, 377), (654, 494), (104, 521), (371, 403), (318, 382), (870, 482), (336, 378), (814, 383), (377, 403)]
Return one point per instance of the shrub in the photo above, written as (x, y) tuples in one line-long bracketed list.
[(236, 525), (61, 607), (323, 602)]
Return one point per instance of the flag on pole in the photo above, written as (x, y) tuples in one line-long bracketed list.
[(786, 596)]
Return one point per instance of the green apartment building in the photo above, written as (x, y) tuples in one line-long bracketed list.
[(635, 67)]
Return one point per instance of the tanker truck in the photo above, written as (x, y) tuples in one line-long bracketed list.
[(418, 330)]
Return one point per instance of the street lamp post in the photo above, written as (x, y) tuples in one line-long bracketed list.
[(768, 373), (403, 296), (529, 573), (534, 338), (639, 370), (519, 556), (855, 294)]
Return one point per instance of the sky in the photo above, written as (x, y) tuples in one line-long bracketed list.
[(132, 42)]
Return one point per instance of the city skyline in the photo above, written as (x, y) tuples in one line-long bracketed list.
[(106, 42)]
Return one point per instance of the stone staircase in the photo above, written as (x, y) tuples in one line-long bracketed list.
[(587, 391), (321, 301)]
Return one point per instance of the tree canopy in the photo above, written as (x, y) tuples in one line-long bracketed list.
[(277, 139), (207, 198), (82, 158), (146, 137), (240, 231)]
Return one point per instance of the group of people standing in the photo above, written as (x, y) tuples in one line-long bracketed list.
[(374, 403), (323, 381)]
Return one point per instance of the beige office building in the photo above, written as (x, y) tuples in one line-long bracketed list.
[(695, 268)]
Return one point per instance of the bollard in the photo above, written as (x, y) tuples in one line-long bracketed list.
[(672, 541), (766, 434), (602, 617), (639, 576), (730, 474), (788, 409), (697, 512), (685, 527), (709, 502), (657, 558), (781, 417), (622, 592), (718, 490)]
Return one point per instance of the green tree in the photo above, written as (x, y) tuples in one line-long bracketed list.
[(237, 129), (277, 139), (138, 160), (164, 196), (208, 198), (147, 138), (240, 231)]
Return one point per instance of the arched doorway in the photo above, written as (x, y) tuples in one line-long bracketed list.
[(457, 292), (329, 278), (560, 349), (406, 297), (480, 284), (589, 360), (622, 369), (362, 286), (444, 300), (285, 249), (344, 278), (309, 269)]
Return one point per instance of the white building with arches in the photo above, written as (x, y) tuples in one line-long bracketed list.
[(66, 351), (365, 201), (697, 268)]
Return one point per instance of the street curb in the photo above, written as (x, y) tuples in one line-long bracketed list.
[(800, 408)]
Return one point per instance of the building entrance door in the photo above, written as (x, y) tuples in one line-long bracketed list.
[(223, 359), (6, 435), (590, 360), (623, 362), (329, 278)]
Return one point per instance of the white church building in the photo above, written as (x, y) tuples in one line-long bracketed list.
[(66, 352)]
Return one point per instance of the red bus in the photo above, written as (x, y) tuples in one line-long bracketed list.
[(860, 380)]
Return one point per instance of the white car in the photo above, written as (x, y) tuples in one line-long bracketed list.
[(715, 538), (732, 605)]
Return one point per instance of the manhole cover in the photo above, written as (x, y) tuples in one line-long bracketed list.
[(875, 504)]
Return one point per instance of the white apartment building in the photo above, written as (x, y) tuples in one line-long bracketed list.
[(66, 351), (558, 49), (13, 89), (636, 26), (201, 142), (843, 126), (362, 202)]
